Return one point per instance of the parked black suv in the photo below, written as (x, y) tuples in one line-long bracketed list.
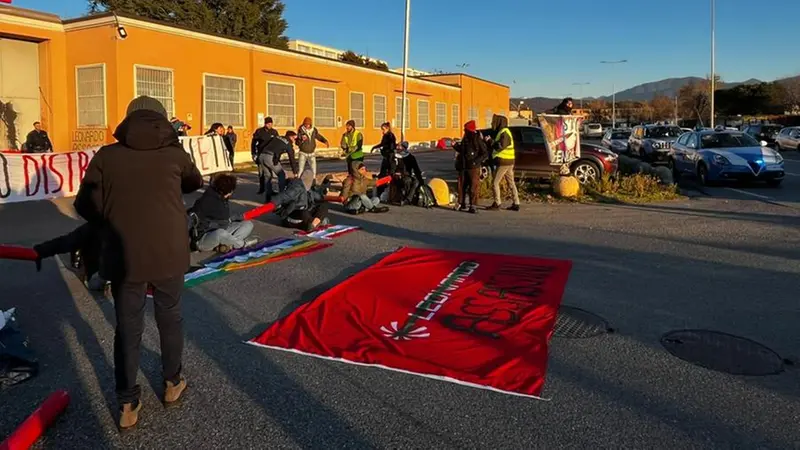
[(763, 132)]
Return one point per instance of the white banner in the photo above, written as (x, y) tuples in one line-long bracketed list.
[(38, 176), (563, 137)]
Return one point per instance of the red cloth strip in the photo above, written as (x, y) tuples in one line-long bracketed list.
[(261, 210), (21, 253)]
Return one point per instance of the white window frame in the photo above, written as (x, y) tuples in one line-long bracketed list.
[(472, 114), (363, 105), (378, 123), (105, 97), (206, 124), (314, 107), (294, 102), (436, 115), (165, 69), (399, 101), (455, 115), (488, 118), (428, 122)]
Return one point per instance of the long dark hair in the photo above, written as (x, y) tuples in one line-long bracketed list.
[(213, 129)]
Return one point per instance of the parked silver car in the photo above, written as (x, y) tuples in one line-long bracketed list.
[(616, 140), (788, 139), (652, 143), (592, 130)]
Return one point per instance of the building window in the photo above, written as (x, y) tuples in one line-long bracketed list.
[(398, 101), (303, 48), (331, 55), (223, 100), (378, 110), (472, 114), (156, 83), (324, 108), (91, 92), (357, 108), (455, 113), (441, 115), (488, 118), (423, 114), (280, 104)]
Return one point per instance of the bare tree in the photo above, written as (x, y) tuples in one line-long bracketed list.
[(662, 107), (694, 100), (789, 94)]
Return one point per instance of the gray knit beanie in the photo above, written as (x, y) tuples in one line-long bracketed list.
[(144, 102)]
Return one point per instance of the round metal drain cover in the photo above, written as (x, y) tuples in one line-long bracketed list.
[(722, 352), (577, 323)]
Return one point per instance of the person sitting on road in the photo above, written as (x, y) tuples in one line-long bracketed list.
[(302, 204), (352, 145), (407, 176), (354, 193), (216, 229)]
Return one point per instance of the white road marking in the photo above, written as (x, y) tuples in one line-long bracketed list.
[(749, 193), (792, 174), (796, 161)]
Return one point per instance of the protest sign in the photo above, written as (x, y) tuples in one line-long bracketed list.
[(563, 137)]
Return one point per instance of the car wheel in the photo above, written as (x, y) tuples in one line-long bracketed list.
[(774, 183), (585, 171), (674, 168), (702, 174)]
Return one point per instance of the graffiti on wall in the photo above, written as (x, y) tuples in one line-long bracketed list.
[(83, 139), (8, 121)]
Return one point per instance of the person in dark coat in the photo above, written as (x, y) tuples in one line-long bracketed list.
[(407, 174), (38, 141), (302, 204), (262, 137), (232, 138), (387, 148), (564, 108), (269, 161), (218, 230), (83, 245), (133, 191), (470, 154)]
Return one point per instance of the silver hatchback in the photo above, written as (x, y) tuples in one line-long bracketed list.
[(616, 140), (788, 139)]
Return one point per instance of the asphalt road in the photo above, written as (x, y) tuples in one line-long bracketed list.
[(727, 261)]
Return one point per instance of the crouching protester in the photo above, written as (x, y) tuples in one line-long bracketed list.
[(302, 204), (354, 193), (83, 245), (407, 177), (216, 229)]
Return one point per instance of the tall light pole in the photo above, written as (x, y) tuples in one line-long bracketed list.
[(713, 57), (581, 85), (403, 123), (614, 94), (463, 67)]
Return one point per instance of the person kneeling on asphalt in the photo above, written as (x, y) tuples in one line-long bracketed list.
[(302, 204), (407, 175), (217, 230), (354, 193)]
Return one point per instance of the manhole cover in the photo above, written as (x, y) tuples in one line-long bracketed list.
[(722, 352), (577, 323)]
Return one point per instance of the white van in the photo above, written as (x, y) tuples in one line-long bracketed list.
[(592, 130)]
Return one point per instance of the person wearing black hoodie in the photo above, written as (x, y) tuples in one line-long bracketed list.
[(564, 108), (262, 137), (217, 229), (387, 148), (302, 204), (132, 190), (470, 154)]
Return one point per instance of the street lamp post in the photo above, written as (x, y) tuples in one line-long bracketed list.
[(403, 123), (713, 57), (581, 85), (614, 94)]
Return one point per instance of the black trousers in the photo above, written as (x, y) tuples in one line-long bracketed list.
[(306, 216), (129, 303)]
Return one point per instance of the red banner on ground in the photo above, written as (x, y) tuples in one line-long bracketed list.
[(478, 319)]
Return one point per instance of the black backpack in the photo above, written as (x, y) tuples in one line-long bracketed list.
[(425, 197), (194, 235)]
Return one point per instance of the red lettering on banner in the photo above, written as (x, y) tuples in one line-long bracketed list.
[(70, 173), (57, 173), (83, 163), (45, 181), (26, 160), (202, 154)]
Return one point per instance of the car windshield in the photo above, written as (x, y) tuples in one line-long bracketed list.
[(727, 140), (620, 135), (594, 126), (663, 132), (770, 130)]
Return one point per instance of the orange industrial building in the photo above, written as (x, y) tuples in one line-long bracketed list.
[(77, 77)]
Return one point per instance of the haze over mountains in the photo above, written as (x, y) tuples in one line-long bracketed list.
[(644, 92)]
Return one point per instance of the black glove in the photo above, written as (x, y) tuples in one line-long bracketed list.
[(38, 260)]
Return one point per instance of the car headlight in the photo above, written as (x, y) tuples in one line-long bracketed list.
[(778, 158), (721, 160)]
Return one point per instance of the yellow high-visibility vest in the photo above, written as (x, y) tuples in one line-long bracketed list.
[(352, 143), (508, 152)]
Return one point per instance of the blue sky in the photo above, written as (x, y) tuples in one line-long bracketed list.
[(542, 47)]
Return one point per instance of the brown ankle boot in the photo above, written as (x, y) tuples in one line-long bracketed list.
[(174, 391), (129, 415)]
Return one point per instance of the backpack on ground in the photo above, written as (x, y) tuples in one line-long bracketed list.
[(425, 197)]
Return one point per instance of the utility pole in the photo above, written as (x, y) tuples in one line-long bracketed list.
[(403, 123), (614, 94), (581, 85), (713, 58), (676, 110)]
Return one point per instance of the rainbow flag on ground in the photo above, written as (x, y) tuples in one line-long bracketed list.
[(328, 231), (264, 253)]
